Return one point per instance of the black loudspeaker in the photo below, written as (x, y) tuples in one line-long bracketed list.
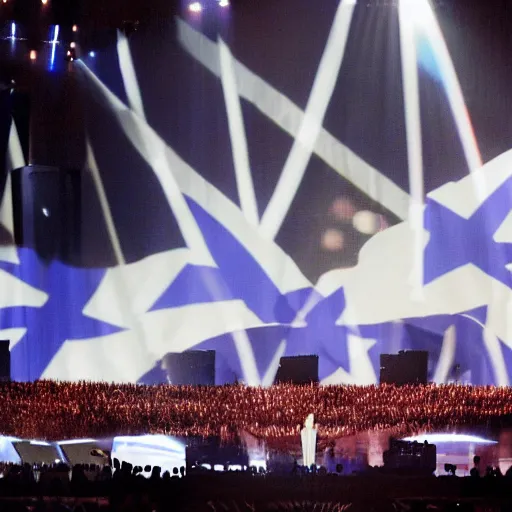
[(5, 361), (297, 370), (47, 207), (407, 367), (191, 368)]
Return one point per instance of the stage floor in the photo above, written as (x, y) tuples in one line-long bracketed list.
[(354, 452)]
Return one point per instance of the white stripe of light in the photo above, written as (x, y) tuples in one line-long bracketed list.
[(446, 357), (312, 122), (246, 357), (15, 161), (493, 347), (288, 116), (76, 441), (105, 207), (456, 99), (414, 138), (236, 125), (273, 367), (16, 157), (129, 75), (426, 23)]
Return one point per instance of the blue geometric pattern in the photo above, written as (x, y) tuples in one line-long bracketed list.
[(309, 318), (61, 318), (455, 241)]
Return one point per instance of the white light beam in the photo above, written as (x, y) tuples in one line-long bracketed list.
[(312, 122), (414, 140), (129, 75), (15, 161), (445, 362), (105, 207), (239, 148)]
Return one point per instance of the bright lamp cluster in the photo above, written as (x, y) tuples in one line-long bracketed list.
[(197, 7)]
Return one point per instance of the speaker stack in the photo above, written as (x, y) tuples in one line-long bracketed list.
[(5, 361), (406, 367), (297, 370), (191, 368)]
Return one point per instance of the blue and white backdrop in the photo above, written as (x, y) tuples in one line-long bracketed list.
[(282, 178)]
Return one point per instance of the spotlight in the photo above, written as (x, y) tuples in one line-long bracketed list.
[(72, 45), (44, 2), (33, 55), (13, 30), (92, 54), (70, 55), (195, 7), (224, 3), (75, 28)]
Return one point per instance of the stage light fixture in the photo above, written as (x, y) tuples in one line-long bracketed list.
[(70, 55), (92, 54), (72, 45), (224, 3), (44, 2), (33, 55), (195, 7), (75, 28)]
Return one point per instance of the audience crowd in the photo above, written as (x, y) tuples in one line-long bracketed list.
[(63, 410), (87, 489)]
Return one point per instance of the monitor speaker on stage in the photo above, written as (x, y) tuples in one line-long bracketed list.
[(406, 367), (191, 368), (5, 361), (47, 208), (37, 453), (297, 370)]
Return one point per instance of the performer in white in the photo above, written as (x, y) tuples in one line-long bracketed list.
[(308, 436)]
